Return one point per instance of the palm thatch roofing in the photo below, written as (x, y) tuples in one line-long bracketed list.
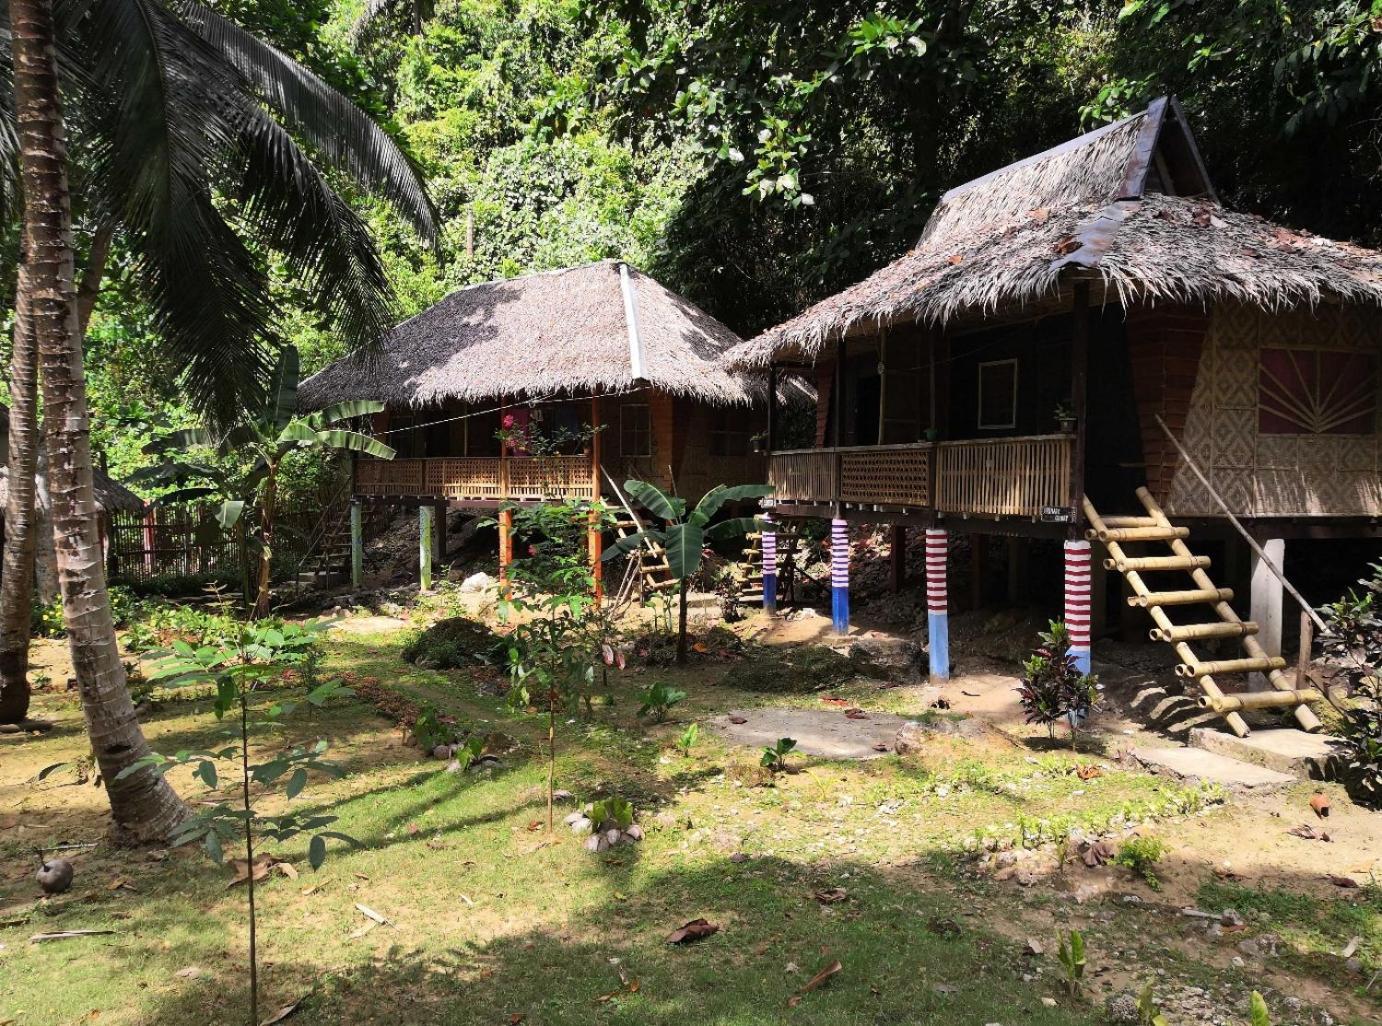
[(111, 495), (565, 332), (1128, 208)]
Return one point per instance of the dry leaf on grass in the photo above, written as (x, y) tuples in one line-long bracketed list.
[(814, 982), (263, 864), (1034, 947), (516, 1018), (1088, 772), (696, 929), (284, 1012), (121, 884), (831, 895), (832, 700)]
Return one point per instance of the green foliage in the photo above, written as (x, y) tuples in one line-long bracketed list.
[(155, 624), (1257, 1012), (1353, 642), (1071, 956), (430, 730), (775, 756), (658, 698), (688, 738), (1148, 1013), (1052, 688), (610, 813), (454, 643), (1140, 855)]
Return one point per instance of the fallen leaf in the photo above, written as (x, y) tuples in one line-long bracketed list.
[(814, 982), (737, 719), (534, 825), (1352, 948), (880, 747), (309, 891), (700, 646), (1341, 881), (1309, 832), (832, 700), (283, 1012), (1088, 772), (856, 714), (831, 895), (1320, 804), (192, 972), (40, 938), (368, 912), (516, 1018), (1097, 854), (288, 870), (696, 929), (955, 258), (1066, 245), (121, 884), (262, 865), (357, 934)]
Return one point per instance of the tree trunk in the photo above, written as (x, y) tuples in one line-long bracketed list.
[(17, 577), (144, 807), (681, 623), (262, 601)]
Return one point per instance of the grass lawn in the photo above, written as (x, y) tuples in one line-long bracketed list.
[(493, 921)]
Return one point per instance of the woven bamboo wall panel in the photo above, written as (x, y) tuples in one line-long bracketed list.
[(1266, 474), (886, 476), (1006, 477), (550, 477), (390, 477), (471, 477)]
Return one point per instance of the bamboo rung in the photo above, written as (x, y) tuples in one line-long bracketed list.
[(1130, 521), (663, 585), (1138, 534), (1180, 598), (1195, 631), (1139, 563), (1260, 700), (1260, 664)]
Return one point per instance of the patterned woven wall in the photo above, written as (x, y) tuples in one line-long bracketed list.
[(1270, 475)]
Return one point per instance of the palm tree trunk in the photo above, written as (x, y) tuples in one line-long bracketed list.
[(143, 806), (17, 577), (681, 622)]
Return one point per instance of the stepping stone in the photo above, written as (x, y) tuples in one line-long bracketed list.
[(1197, 764), (1284, 749)]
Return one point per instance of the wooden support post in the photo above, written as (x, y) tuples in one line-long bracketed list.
[(897, 556), (768, 545), (596, 530), (937, 604), (771, 439), (426, 525), (1079, 388), (839, 575), (1077, 593), (1265, 605), (505, 544), (1307, 642), (357, 544)]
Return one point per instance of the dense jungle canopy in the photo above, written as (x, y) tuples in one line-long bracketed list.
[(758, 155)]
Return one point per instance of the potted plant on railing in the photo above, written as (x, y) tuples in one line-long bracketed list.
[(1065, 417), (933, 434)]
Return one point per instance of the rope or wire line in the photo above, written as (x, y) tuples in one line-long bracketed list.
[(499, 409)]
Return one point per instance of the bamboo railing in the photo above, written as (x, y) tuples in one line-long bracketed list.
[(1004, 476), (478, 478)]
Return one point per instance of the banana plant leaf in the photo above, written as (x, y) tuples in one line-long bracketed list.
[(684, 543), (186, 438), (629, 543), (283, 388), (719, 495), (355, 442), (184, 495), (296, 432), (655, 500), (344, 411), (229, 513)]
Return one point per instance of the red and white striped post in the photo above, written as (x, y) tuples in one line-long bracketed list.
[(937, 604), (1077, 601)]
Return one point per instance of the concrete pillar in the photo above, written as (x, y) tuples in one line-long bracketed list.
[(426, 545), (938, 604), (1077, 593), (1265, 604), (357, 545), (839, 575), (769, 547)]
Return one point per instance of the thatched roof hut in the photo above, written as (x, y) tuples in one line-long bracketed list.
[(1128, 208), (111, 495), (601, 327)]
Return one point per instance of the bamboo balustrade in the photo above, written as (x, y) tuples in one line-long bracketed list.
[(1004, 476), (805, 475), (886, 475), (478, 478)]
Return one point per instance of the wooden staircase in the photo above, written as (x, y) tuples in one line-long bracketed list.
[(751, 564), (1116, 532), (654, 572), (328, 556)]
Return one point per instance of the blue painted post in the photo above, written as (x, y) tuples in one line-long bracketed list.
[(769, 546), (1077, 604), (938, 604), (839, 576)]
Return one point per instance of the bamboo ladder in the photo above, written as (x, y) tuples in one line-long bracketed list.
[(1116, 531), (655, 572), (751, 561)]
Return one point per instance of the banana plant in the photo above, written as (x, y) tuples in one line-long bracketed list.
[(249, 454), (685, 535)]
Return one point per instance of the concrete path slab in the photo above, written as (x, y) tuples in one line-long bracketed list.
[(825, 732), (1197, 764), (1284, 749)]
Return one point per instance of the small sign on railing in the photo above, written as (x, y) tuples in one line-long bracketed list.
[(1057, 515)]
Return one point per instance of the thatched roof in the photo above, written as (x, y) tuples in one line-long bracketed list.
[(556, 332), (111, 495), (1128, 207)]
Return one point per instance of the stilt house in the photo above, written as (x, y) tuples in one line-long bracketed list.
[(551, 355), (1087, 345)]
